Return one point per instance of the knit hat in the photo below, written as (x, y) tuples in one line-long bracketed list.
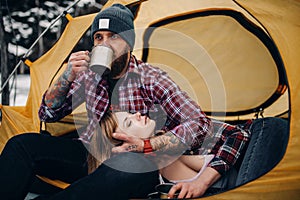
[(117, 19)]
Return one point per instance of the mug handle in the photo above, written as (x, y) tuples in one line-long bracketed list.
[(153, 195)]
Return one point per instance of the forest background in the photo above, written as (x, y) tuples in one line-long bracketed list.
[(22, 22)]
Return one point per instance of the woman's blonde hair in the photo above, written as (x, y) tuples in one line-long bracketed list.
[(102, 141)]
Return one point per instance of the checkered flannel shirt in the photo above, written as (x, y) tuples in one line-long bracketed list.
[(141, 90)]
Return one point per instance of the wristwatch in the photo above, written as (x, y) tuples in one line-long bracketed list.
[(147, 146)]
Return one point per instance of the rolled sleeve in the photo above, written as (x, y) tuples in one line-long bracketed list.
[(47, 114), (229, 147)]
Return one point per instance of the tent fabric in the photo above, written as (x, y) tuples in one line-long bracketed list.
[(277, 20), (210, 65)]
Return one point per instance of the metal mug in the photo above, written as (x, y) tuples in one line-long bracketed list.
[(101, 59), (162, 191)]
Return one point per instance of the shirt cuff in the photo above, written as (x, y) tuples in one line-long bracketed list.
[(219, 165)]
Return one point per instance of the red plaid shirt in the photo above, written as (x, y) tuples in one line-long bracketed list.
[(143, 88), (227, 144)]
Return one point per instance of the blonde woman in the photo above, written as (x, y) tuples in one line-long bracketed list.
[(184, 169)]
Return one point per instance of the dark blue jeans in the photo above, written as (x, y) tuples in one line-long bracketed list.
[(26, 155), (267, 146)]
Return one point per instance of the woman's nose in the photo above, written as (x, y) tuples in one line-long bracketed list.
[(138, 116)]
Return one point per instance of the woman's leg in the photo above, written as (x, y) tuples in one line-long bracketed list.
[(27, 155), (108, 181), (268, 142)]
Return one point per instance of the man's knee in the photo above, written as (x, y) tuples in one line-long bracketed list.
[(19, 142)]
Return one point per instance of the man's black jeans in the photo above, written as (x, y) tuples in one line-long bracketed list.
[(30, 154)]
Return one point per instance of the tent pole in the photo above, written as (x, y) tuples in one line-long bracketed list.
[(34, 43)]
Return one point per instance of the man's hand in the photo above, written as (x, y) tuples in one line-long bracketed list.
[(130, 143), (78, 62)]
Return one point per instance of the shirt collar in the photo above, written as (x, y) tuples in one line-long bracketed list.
[(133, 66)]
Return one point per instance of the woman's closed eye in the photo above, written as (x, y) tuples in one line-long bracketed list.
[(127, 122)]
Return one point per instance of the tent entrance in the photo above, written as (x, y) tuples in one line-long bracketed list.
[(228, 64)]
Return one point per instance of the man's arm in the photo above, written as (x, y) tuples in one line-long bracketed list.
[(166, 143), (56, 94), (54, 104), (185, 118), (229, 145)]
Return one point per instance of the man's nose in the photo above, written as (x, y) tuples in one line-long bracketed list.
[(104, 42)]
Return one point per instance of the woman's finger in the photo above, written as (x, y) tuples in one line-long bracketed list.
[(120, 136), (173, 190), (183, 192)]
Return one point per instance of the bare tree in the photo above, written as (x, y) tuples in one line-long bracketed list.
[(39, 31), (3, 59)]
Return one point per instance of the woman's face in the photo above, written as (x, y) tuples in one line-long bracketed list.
[(135, 124)]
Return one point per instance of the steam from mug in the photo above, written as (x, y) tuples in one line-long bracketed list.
[(101, 59)]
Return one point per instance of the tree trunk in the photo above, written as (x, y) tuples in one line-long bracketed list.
[(4, 65), (39, 31)]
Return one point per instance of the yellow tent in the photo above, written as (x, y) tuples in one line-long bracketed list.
[(235, 58)]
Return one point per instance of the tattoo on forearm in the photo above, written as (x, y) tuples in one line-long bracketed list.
[(67, 73), (57, 93), (167, 142)]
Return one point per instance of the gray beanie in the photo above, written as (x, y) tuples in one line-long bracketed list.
[(117, 19)]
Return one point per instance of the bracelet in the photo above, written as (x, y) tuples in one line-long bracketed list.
[(147, 146)]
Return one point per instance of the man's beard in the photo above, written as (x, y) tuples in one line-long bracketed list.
[(119, 64)]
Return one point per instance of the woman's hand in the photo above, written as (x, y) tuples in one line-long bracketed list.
[(130, 143), (188, 190), (197, 187)]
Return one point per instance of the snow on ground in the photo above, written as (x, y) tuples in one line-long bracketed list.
[(19, 93), (18, 97)]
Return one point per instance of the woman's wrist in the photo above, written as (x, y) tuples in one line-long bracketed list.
[(209, 176)]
